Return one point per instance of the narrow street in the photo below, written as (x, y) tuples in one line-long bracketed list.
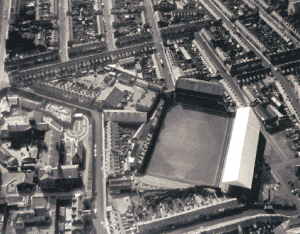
[(98, 180), (98, 175), (159, 45), (63, 30), (290, 92), (108, 25)]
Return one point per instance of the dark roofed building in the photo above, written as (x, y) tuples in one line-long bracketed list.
[(200, 86), (59, 178), (78, 157), (114, 98), (164, 5), (4, 155), (19, 134), (200, 93), (38, 215), (127, 62), (27, 184), (119, 185), (51, 156), (264, 115)]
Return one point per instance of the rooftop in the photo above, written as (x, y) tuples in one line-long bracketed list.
[(200, 86), (125, 116), (29, 104), (114, 98), (50, 156), (126, 60), (147, 98), (59, 172)]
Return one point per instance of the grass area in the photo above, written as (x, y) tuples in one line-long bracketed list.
[(191, 145), (270, 155), (277, 193), (289, 173)]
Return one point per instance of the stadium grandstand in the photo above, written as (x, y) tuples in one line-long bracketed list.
[(147, 138), (214, 90), (200, 93), (242, 151)]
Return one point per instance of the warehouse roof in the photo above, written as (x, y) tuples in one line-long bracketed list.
[(115, 97), (241, 155), (125, 116), (200, 86)]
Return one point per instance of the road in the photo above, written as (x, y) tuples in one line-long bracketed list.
[(236, 89), (99, 180), (204, 224), (108, 25), (290, 92), (159, 45), (285, 84), (63, 30), (4, 24)]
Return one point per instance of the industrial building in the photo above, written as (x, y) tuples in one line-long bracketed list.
[(241, 155), (114, 98), (124, 116), (147, 101)]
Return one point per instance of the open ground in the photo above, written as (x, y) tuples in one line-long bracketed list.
[(191, 145)]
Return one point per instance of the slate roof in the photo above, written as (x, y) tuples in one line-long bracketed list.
[(66, 172), (51, 155), (37, 115), (200, 86), (115, 97)]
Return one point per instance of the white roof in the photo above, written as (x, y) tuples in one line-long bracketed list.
[(125, 116), (241, 155)]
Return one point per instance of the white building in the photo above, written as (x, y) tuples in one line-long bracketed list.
[(241, 155), (125, 116)]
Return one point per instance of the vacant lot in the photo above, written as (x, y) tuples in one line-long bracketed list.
[(191, 146)]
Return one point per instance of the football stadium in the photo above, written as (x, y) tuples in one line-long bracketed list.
[(200, 143)]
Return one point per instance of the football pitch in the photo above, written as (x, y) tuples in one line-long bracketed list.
[(190, 147)]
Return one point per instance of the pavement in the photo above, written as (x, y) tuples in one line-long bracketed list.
[(63, 30), (110, 41), (234, 86), (98, 169), (166, 71), (204, 224), (285, 84), (4, 22), (293, 98)]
